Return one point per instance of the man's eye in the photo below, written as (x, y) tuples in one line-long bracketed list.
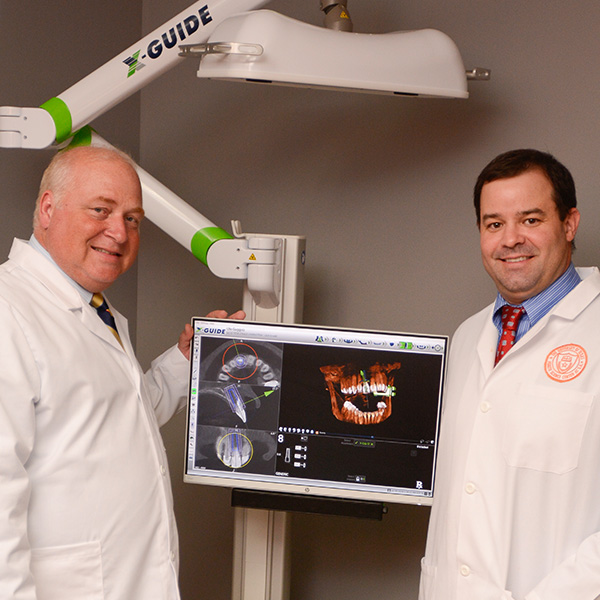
[(532, 221), (494, 226), (133, 221)]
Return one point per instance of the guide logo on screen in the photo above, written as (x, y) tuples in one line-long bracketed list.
[(212, 330)]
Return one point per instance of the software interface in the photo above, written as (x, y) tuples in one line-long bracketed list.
[(330, 409)]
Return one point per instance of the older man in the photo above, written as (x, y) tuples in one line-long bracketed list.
[(516, 512), (85, 500)]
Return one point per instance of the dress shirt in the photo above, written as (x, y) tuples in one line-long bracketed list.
[(539, 305), (85, 294)]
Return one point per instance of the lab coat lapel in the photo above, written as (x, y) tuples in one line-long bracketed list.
[(62, 293), (91, 320), (486, 346), (568, 308), (122, 328)]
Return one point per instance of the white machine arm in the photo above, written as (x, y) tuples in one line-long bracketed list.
[(58, 118), (67, 115), (259, 260), (271, 265), (31, 128)]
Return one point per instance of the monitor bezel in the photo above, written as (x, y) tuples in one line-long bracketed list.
[(308, 487)]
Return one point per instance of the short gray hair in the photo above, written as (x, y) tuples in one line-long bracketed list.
[(59, 173)]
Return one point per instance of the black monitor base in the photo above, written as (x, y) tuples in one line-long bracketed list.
[(308, 504)]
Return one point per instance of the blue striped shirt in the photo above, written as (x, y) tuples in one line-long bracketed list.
[(539, 305)]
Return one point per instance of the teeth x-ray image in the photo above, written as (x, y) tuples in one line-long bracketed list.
[(238, 396)]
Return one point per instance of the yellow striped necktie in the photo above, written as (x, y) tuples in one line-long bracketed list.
[(99, 303)]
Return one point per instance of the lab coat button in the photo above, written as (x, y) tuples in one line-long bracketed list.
[(465, 571), (172, 556), (485, 406), (163, 470), (470, 488)]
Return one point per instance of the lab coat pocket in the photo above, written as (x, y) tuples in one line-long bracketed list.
[(68, 572), (545, 427)]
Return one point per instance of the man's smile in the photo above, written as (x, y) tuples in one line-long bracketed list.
[(104, 251), (516, 260)]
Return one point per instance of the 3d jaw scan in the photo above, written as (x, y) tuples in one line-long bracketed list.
[(362, 396)]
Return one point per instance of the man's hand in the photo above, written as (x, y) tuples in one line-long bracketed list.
[(185, 339)]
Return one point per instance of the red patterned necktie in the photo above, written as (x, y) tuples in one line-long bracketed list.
[(511, 315)]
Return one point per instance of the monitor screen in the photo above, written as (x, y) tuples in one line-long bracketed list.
[(314, 410)]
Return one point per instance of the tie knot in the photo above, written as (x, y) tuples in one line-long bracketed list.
[(511, 315), (97, 300)]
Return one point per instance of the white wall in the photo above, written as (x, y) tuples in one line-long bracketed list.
[(381, 187)]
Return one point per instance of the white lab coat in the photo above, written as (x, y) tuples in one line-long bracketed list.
[(86, 508), (516, 510)]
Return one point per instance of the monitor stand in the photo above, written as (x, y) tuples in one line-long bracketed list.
[(261, 552), (261, 560), (261, 555), (323, 505)]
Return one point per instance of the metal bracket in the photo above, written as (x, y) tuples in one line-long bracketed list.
[(200, 50), (479, 74)]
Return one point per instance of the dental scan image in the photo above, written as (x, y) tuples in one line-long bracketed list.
[(314, 410)]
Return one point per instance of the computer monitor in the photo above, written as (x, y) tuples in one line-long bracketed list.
[(312, 410)]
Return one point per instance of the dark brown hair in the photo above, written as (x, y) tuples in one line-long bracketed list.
[(516, 162)]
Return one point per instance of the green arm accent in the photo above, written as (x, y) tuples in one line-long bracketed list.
[(83, 137), (204, 238), (61, 115)]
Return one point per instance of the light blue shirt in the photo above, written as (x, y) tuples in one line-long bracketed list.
[(87, 296), (541, 304)]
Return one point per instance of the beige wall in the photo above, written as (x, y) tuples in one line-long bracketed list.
[(379, 186)]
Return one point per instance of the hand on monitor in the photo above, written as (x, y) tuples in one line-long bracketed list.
[(240, 315), (185, 339)]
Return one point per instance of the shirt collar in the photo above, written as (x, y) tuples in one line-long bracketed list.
[(541, 304), (34, 243)]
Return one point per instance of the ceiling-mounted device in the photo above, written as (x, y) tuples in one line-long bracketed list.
[(263, 46)]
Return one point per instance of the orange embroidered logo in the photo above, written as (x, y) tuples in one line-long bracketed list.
[(566, 362)]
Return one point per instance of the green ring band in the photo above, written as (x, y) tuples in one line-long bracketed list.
[(61, 115), (204, 238), (83, 137)]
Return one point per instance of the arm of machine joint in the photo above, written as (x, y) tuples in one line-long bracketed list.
[(32, 128), (231, 259)]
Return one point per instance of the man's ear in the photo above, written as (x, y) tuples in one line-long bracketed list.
[(571, 224), (46, 209)]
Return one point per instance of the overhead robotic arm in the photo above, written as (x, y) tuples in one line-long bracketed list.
[(60, 117), (272, 266), (427, 63)]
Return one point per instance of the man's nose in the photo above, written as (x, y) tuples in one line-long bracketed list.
[(117, 229), (513, 235)]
